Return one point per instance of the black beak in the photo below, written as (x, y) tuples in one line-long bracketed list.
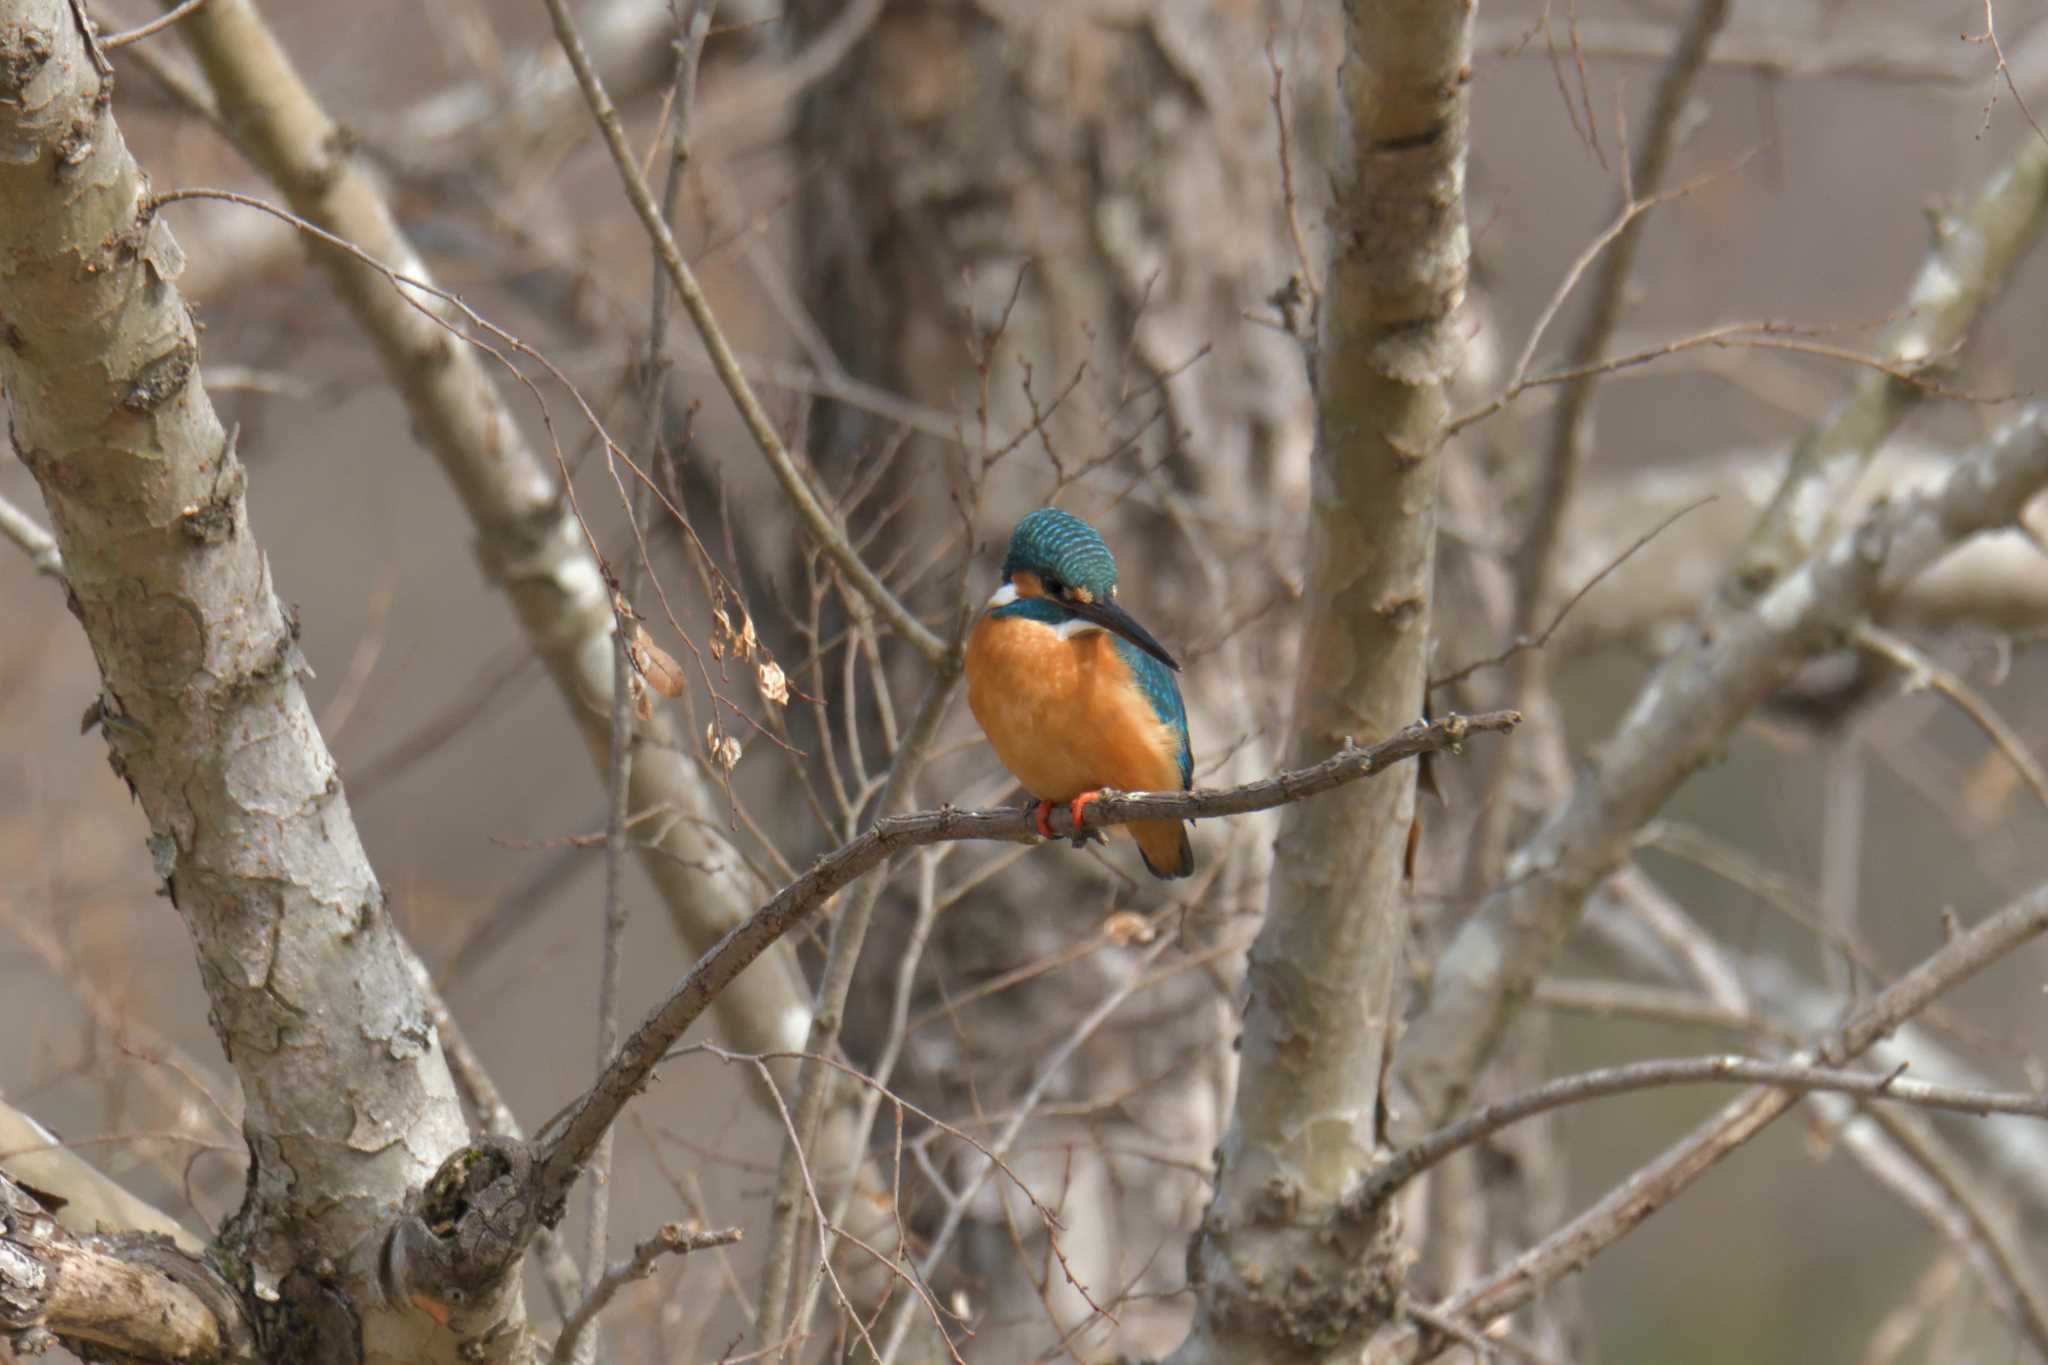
[(1110, 616)]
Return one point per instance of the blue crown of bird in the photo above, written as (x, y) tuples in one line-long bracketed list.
[(1075, 695)]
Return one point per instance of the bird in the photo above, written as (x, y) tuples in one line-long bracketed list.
[(1075, 695)]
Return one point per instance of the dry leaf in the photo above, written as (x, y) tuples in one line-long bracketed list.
[(1126, 927), (724, 752), (656, 664), (774, 686)]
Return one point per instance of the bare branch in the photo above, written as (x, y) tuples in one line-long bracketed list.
[(1923, 671), (40, 547), (1988, 1222), (1679, 719), (141, 1298), (1523, 642), (154, 26), (1975, 252), (562, 1156), (201, 702), (1325, 975), (530, 546), (672, 1240), (795, 486), (1537, 561), (1663, 1179), (93, 1201), (1414, 1159)]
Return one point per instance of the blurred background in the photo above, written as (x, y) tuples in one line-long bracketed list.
[(978, 256)]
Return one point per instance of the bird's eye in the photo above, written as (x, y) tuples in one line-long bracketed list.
[(1054, 588)]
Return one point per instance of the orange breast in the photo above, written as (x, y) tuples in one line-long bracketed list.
[(1064, 715)]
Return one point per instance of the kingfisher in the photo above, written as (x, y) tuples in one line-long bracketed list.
[(1074, 694)]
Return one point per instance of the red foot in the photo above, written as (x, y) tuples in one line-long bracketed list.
[(1079, 804), (1074, 809)]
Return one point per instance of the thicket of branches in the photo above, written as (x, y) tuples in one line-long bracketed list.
[(740, 336)]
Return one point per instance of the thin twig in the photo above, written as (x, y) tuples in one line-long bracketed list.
[(39, 545), (795, 486), (1484, 1347), (1663, 1179), (1524, 642), (1923, 671), (1982, 1213), (156, 25), (1051, 1067), (1483, 1123), (619, 774), (842, 955), (673, 1240)]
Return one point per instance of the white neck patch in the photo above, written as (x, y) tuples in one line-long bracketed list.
[(1003, 596)]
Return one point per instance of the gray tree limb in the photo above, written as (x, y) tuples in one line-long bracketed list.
[(138, 1295), (1679, 720), (1276, 1278), (1675, 1169), (349, 1103), (527, 539)]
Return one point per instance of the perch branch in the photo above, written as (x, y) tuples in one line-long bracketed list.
[(561, 1158)]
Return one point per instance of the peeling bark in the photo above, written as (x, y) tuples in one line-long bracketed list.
[(349, 1104), (136, 1294)]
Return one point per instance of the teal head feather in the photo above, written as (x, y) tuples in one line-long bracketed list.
[(1064, 551)]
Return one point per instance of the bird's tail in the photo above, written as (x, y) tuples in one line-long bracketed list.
[(1165, 847)]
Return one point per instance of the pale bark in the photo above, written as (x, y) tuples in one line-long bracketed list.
[(1976, 249), (1678, 721), (1279, 1274), (138, 1295), (1997, 581), (527, 538), (349, 1104)]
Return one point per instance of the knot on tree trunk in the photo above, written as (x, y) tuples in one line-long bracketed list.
[(456, 1253)]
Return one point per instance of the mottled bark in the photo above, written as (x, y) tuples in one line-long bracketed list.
[(135, 1295), (1278, 1277), (349, 1105), (527, 538)]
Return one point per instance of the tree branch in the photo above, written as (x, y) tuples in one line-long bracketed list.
[(561, 1157), (93, 1201), (1418, 1157), (349, 1105), (140, 1296), (1680, 719), (529, 544), (1324, 979), (33, 541), (1557, 476), (1975, 252), (672, 1240), (822, 527), (1571, 1247)]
